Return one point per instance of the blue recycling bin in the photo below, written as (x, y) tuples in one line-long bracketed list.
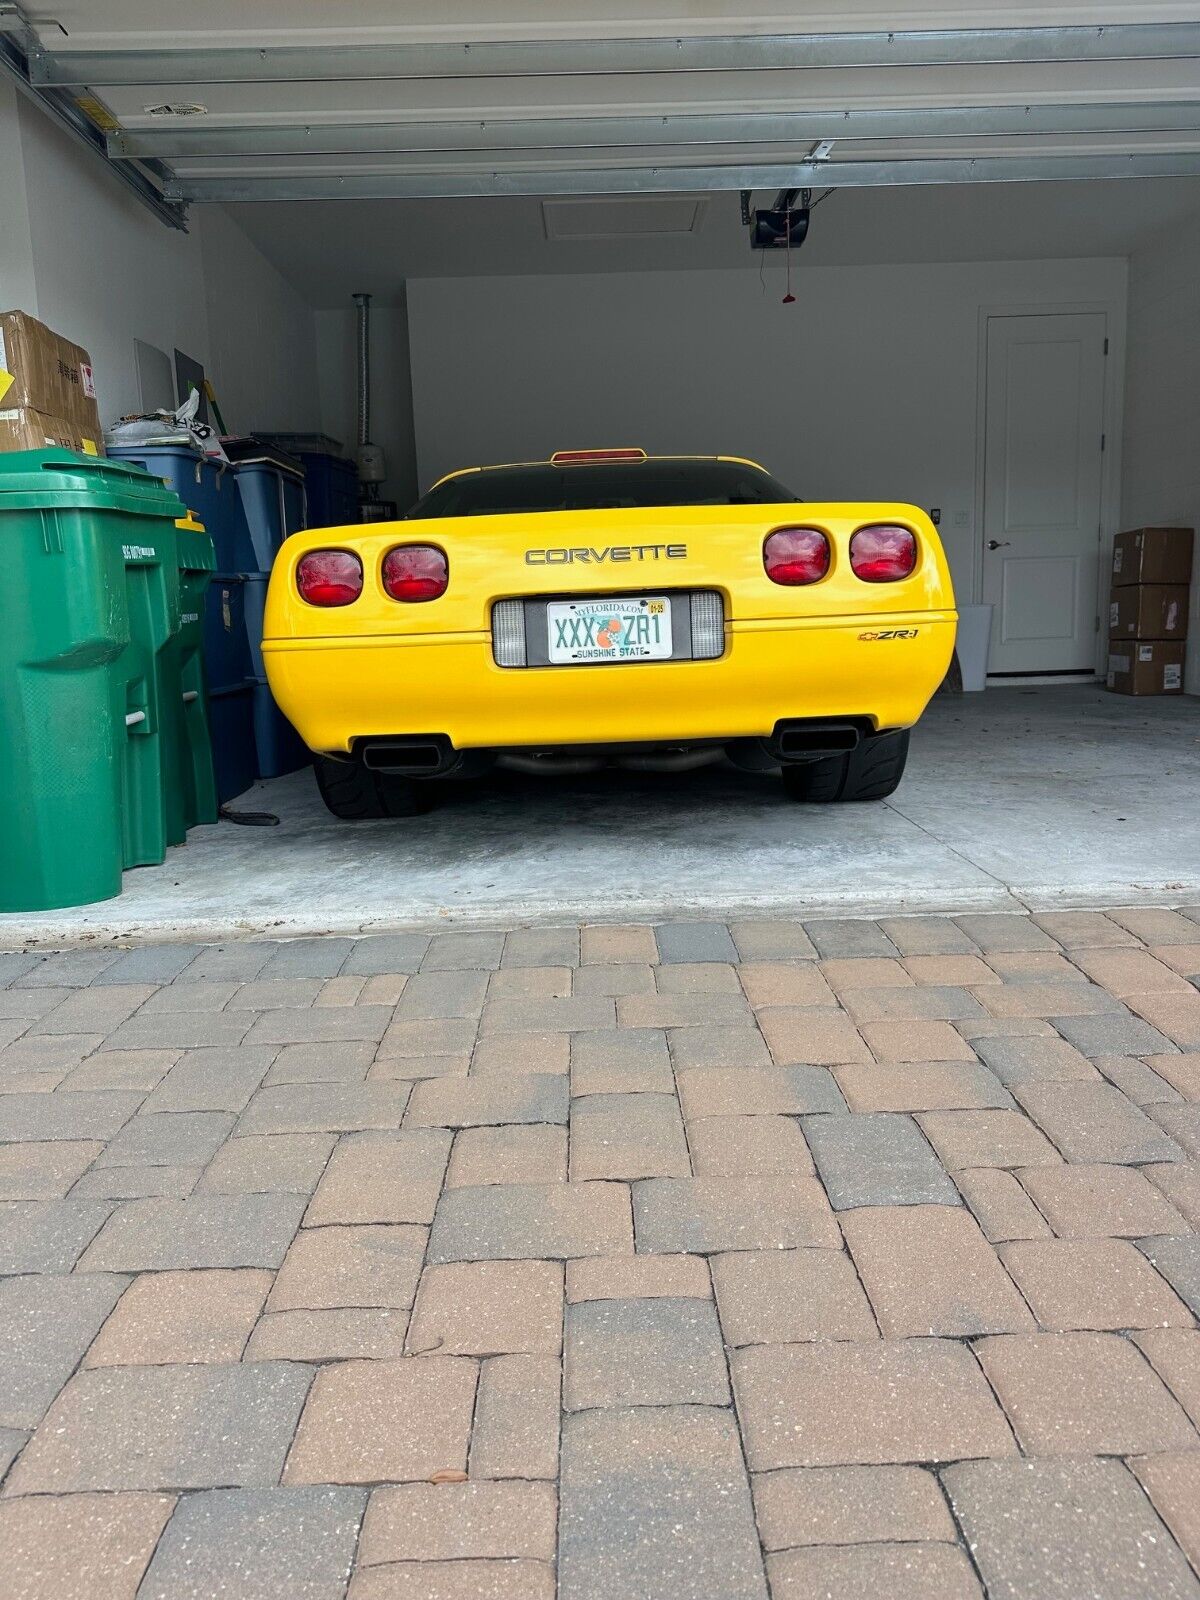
[(210, 491), (332, 486), (231, 685), (272, 496)]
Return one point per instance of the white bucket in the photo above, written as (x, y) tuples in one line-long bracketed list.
[(971, 646)]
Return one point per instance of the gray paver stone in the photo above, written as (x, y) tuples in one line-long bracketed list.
[(46, 1324), (653, 1352), (241, 1230), (877, 1159)]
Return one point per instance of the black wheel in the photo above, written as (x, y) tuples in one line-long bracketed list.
[(355, 794), (871, 772)]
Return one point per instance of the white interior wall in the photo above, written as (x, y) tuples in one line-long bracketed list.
[(102, 270), (391, 390), (866, 387), (1161, 478)]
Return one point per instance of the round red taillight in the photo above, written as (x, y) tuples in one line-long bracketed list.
[(882, 553), (796, 555), (329, 577), (415, 572)]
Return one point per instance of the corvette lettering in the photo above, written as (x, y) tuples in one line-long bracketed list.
[(613, 552), (891, 633)]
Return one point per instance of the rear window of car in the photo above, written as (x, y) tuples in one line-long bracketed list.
[(624, 485)]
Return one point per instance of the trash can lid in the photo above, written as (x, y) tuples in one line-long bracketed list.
[(63, 479), (190, 522)]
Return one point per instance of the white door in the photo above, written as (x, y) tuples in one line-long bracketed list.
[(1041, 500)]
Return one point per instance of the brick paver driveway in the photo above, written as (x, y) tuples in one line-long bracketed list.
[(827, 1260)]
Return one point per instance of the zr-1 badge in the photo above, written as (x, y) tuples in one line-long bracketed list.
[(891, 633)]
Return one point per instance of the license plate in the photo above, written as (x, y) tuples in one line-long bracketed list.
[(633, 629)]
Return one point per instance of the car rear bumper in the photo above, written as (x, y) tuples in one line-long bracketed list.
[(339, 691)]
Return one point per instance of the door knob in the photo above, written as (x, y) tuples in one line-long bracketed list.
[(999, 544)]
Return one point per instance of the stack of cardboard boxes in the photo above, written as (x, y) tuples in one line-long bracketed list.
[(47, 395), (1148, 611)]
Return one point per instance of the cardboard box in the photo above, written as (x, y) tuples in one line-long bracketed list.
[(1151, 668), (1152, 555), (1149, 611), (42, 373), (22, 428)]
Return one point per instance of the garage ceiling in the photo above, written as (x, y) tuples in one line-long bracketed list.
[(257, 101)]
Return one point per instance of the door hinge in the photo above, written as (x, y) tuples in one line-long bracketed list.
[(1103, 439), (1096, 628), (1106, 347)]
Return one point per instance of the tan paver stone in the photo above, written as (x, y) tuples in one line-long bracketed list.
[(929, 1270), (1035, 966), (1083, 930), (740, 1046), (1069, 999), (927, 936), (522, 1052), (627, 1136), (459, 1522), (697, 977), (529, 983), (1182, 1072), (345, 1061), (455, 1580), (267, 1163), (900, 1571), (517, 1418), (756, 1091), (391, 1069), (342, 992), (1181, 958), (1154, 924), (920, 1086), (1182, 1124), (451, 1036), (1180, 1182), (637, 1277), (387, 1177), (679, 1010), (342, 1335), (785, 983), (1079, 1394), (702, 1215), (532, 1154), (1137, 1081), (327, 1268), (726, 1147), (986, 1139), (180, 1317), (614, 980), (1100, 1284), (1001, 1207), (531, 1221), (916, 1041), (973, 1028), (488, 1098), (1100, 1201), (79, 1546), (383, 989), (871, 1402), (796, 1037), (1093, 1122), (271, 994), (789, 1296), (39, 1170), (865, 972), (484, 1308), (618, 945), (1176, 1015), (960, 971), (123, 1069), (1173, 1484), (384, 1421), (801, 1506), (1174, 1353), (771, 941), (1130, 972)]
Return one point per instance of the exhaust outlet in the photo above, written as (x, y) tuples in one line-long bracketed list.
[(410, 757)]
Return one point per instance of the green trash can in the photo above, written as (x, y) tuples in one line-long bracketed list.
[(83, 542), (151, 705), (192, 790)]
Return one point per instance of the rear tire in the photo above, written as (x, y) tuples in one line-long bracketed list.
[(355, 794), (871, 772)]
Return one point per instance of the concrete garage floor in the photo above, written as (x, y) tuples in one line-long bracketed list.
[(1017, 798)]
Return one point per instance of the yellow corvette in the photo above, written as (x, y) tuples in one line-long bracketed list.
[(609, 606)]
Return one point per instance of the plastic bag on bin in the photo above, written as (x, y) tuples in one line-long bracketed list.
[(169, 427)]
